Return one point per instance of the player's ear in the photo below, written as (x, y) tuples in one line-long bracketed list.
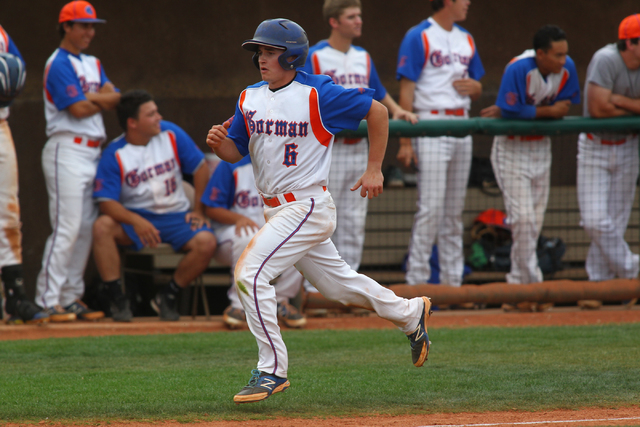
[(333, 22), (131, 123)]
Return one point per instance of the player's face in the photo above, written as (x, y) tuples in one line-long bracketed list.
[(270, 69), (553, 59), (80, 35), (148, 122), (349, 24), (459, 9)]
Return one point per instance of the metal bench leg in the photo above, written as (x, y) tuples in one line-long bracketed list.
[(199, 283)]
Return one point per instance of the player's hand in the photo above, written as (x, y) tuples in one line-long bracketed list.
[(246, 227), (406, 155), (217, 134), (405, 115), (491, 112), (561, 108), (370, 183), (468, 87), (196, 220), (148, 234)]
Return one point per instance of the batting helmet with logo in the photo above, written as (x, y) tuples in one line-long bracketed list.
[(281, 34), (12, 77)]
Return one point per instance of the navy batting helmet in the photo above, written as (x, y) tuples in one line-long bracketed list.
[(12, 77), (281, 34)]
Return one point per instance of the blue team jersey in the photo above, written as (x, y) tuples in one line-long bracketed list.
[(148, 178), (523, 88)]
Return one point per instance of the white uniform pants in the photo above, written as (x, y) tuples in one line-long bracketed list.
[(522, 169), (443, 174), (299, 233), (228, 252), (607, 177), (10, 234), (69, 171)]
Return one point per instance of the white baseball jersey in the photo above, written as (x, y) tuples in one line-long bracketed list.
[(292, 130), (148, 177), (433, 58), (67, 77), (233, 187)]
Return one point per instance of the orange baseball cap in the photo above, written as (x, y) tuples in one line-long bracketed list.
[(629, 27), (79, 11)]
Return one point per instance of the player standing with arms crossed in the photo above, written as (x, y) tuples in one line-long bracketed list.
[(439, 69), (540, 83), (76, 91), (233, 202), (349, 66), (287, 124), (12, 78), (608, 162)]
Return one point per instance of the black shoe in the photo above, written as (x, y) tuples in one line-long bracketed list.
[(120, 311), (166, 306), (419, 338), (25, 311)]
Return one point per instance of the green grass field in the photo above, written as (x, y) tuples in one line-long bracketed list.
[(332, 373)]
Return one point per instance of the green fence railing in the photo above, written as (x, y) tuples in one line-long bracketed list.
[(478, 125)]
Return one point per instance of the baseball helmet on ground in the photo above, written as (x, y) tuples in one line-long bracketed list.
[(12, 77), (281, 34)]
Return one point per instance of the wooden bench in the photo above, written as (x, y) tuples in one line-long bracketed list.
[(390, 218)]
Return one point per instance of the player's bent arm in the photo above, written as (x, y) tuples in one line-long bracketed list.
[(599, 103), (224, 147), (84, 108), (407, 93), (200, 180), (104, 100), (631, 105), (397, 112), (378, 127), (555, 111)]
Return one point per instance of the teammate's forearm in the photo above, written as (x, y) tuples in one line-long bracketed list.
[(222, 215), (84, 108), (106, 100), (118, 212), (629, 105), (200, 181), (407, 93)]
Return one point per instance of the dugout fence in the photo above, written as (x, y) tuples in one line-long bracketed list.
[(390, 217)]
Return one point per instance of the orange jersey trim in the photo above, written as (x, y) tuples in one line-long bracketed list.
[(472, 44), (174, 145), (322, 135), (315, 63), (565, 78), (121, 167), (425, 44), (246, 124)]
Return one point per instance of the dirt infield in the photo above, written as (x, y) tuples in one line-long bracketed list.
[(440, 319)]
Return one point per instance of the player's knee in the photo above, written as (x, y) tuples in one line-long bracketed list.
[(104, 228), (597, 223), (205, 243)]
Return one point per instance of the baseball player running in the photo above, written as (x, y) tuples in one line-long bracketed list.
[(287, 124), (12, 78), (349, 66), (608, 162), (76, 91), (232, 200), (540, 83), (439, 69), (139, 188)]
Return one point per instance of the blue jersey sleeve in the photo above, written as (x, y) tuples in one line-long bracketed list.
[(190, 156), (342, 108), (476, 69), (571, 89), (108, 182), (512, 96), (238, 131), (412, 55), (221, 187), (375, 83), (62, 83)]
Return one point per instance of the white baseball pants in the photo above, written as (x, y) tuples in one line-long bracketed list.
[(443, 173), (607, 175), (522, 169), (10, 234), (228, 252), (299, 233), (69, 171)]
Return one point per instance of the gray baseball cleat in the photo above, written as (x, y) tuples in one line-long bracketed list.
[(419, 338)]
